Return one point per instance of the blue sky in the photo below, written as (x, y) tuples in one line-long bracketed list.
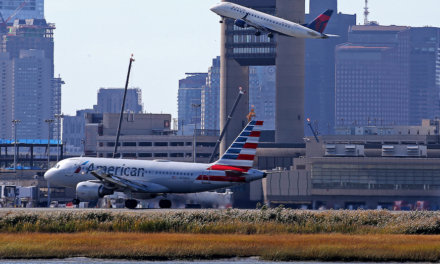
[(94, 40)]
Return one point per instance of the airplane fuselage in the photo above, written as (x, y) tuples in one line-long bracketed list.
[(272, 23), (177, 177)]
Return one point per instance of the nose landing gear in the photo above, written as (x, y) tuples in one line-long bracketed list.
[(165, 204), (76, 201), (258, 33), (270, 35)]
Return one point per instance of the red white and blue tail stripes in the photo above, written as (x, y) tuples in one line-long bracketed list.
[(242, 152)]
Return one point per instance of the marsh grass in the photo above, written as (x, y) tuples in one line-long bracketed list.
[(265, 221), (141, 246)]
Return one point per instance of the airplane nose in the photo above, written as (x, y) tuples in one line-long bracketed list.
[(48, 175), (214, 8)]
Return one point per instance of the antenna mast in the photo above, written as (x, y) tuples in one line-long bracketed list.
[(366, 12)]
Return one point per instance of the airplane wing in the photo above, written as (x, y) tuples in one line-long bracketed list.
[(132, 185), (254, 24), (261, 27)]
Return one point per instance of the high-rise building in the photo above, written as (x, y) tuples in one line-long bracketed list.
[(32, 94), (210, 98), (424, 74), (6, 96), (190, 93), (110, 100), (320, 64), (372, 76), (74, 132), (262, 94), (33, 9), (29, 34)]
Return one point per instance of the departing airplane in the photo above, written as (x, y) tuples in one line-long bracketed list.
[(246, 17), (141, 179)]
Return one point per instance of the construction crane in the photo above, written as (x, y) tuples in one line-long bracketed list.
[(4, 22)]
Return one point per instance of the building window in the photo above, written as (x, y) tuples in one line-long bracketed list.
[(145, 144)]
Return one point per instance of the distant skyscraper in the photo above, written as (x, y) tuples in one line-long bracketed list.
[(210, 98), (424, 74), (320, 64), (110, 100), (262, 94), (35, 34), (372, 76), (33, 9), (28, 83), (190, 92), (32, 94), (74, 131), (6, 96)]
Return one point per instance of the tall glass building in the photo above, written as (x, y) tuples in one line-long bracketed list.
[(190, 92), (210, 98), (34, 9)]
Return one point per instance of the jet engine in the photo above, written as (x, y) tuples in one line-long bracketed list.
[(241, 23), (92, 190)]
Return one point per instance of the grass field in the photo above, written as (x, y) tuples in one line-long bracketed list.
[(267, 221), (333, 247)]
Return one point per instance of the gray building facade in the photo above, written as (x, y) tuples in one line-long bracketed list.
[(189, 93), (424, 74), (74, 132), (372, 76), (320, 65), (110, 100), (210, 98), (33, 9)]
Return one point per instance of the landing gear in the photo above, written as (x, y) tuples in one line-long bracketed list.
[(131, 203), (258, 33), (270, 35), (165, 204), (221, 21), (76, 201)]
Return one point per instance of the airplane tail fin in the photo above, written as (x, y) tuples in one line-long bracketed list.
[(241, 153), (321, 21)]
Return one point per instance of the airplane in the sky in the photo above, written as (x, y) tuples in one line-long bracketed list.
[(141, 179), (247, 17)]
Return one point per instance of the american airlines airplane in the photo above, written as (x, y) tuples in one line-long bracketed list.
[(246, 17), (141, 179)]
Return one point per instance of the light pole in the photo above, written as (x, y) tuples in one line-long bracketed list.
[(342, 120), (58, 117), (375, 119), (368, 118), (328, 129), (381, 120), (48, 121), (16, 121), (195, 106), (83, 142)]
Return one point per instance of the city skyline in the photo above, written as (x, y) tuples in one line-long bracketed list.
[(103, 55)]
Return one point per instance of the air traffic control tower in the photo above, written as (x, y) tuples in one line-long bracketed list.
[(240, 48)]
